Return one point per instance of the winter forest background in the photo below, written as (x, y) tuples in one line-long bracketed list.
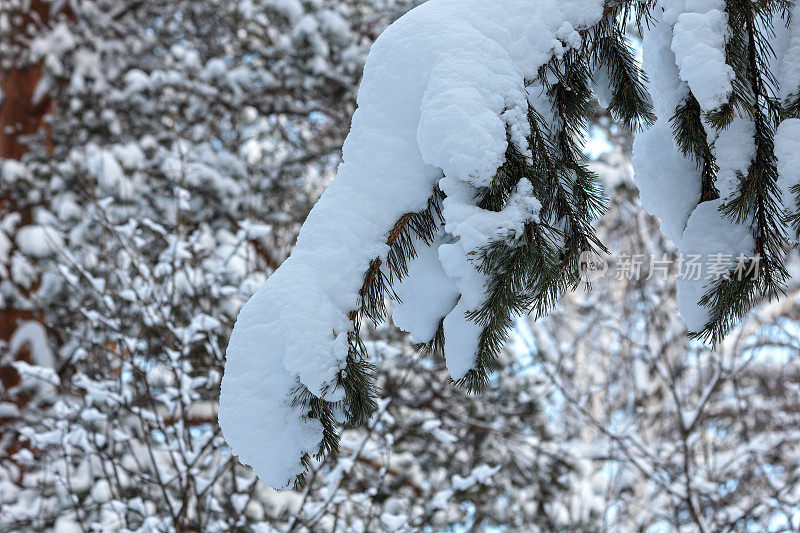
[(156, 161)]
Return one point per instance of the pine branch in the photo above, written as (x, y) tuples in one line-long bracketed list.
[(611, 49), (692, 139), (758, 198), (357, 379)]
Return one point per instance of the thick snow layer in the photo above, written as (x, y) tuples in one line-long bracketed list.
[(734, 150), (668, 183), (441, 87), (474, 227), (719, 243), (665, 86), (461, 336), (426, 295), (788, 155), (789, 72), (698, 42), (684, 50)]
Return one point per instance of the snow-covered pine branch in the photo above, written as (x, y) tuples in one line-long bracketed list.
[(463, 195)]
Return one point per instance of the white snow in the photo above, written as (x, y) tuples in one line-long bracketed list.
[(698, 42), (5, 248), (788, 156), (441, 87), (734, 150), (669, 184), (426, 295), (393, 522), (461, 336), (789, 72), (683, 50), (106, 169), (11, 170), (658, 61), (716, 240), (476, 226), (38, 241), (480, 474), (32, 336)]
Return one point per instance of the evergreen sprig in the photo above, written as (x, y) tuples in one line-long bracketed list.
[(530, 270), (611, 50), (357, 379), (692, 140), (757, 200)]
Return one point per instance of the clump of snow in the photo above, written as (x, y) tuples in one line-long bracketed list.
[(106, 169), (719, 243), (136, 81), (31, 336), (669, 184), (734, 150), (38, 241), (461, 335), (5, 247), (789, 71), (11, 170), (683, 50), (426, 295), (393, 522), (665, 86), (480, 474), (474, 227), (788, 157), (441, 88), (698, 42)]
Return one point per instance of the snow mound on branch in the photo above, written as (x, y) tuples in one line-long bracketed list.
[(441, 88), (734, 150), (426, 294), (715, 244), (698, 41), (665, 86), (38, 241), (789, 70), (684, 50), (788, 162), (668, 183)]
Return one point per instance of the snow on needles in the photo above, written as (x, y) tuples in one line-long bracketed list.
[(683, 51), (441, 88), (698, 41)]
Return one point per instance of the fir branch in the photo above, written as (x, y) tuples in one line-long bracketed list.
[(610, 49), (435, 346), (422, 225), (692, 140), (357, 379), (757, 201), (522, 273), (530, 271)]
